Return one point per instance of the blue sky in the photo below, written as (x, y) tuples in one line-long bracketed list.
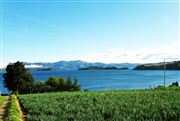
[(105, 31)]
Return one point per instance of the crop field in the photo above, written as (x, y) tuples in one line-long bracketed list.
[(149, 105)]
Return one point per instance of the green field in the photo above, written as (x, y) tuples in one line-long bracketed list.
[(149, 105)]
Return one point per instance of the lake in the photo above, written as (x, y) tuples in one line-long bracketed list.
[(110, 79)]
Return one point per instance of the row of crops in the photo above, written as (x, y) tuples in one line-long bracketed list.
[(1, 100), (152, 105), (13, 110)]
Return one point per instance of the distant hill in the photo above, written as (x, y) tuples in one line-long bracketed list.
[(175, 65), (77, 64)]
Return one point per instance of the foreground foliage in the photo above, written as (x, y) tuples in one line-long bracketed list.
[(151, 105)]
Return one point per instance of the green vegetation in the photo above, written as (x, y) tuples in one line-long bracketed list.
[(17, 79), (134, 105), (1, 100), (175, 65), (14, 111), (173, 86)]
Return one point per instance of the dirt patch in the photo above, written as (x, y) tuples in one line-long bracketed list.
[(22, 113)]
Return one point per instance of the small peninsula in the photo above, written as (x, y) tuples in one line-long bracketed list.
[(103, 68)]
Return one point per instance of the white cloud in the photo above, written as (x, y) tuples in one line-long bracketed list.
[(33, 66), (141, 55), (3, 65)]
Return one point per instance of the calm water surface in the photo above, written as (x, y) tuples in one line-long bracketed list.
[(110, 79)]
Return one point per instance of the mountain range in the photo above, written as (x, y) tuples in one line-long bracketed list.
[(75, 65)]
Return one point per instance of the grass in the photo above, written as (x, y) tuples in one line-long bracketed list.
[(149, 105), (13, 112)]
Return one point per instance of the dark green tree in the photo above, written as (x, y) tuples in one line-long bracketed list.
[(62, 84), (39, 87), (17, 78), (75, 85), (53, 83), (68, 84)]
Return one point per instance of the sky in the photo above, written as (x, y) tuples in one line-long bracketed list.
[(95, 31)]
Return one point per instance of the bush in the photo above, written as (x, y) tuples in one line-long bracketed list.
[(175, 84)]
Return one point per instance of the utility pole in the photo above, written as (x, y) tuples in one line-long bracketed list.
[(165, 59)]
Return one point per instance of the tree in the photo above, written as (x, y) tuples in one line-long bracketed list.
[(62, 84), (53, 83), (17, 78), (39, 87), (75, 85), (68, 84), (175, 84)]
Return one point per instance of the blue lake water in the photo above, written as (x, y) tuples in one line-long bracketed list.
[(110, 79)]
